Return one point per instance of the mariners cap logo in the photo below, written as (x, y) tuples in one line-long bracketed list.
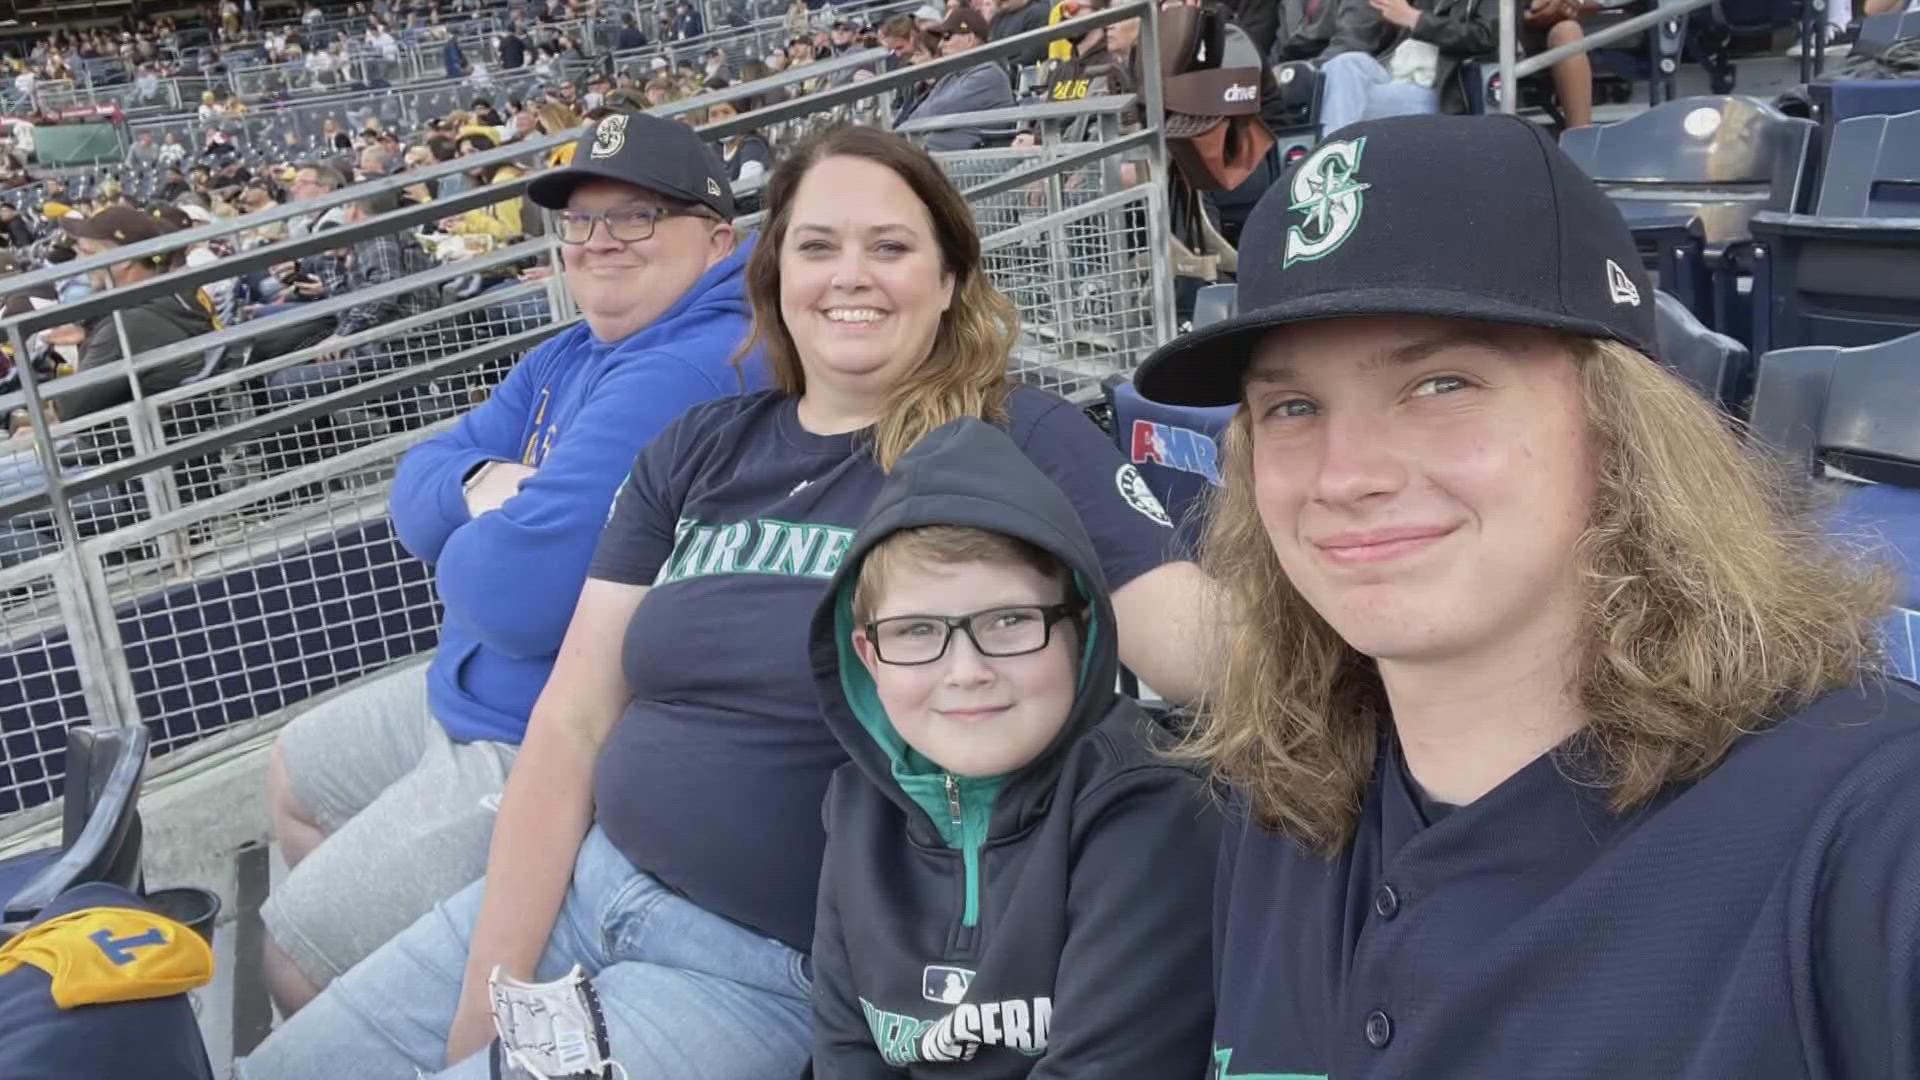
[(1326, 190), (610, 136), (1620, 286)]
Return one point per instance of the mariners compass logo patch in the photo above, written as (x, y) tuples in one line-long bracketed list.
[(1326, 190)]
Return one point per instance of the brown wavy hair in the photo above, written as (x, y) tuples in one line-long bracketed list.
[(965, 374), (1714, 604)]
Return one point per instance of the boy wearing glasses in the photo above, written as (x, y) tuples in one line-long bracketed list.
[(1015, 883), (383, 799)]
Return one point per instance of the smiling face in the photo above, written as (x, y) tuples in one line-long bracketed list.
[(974, 715), (863, 284), (1424, 482), (621, 286)]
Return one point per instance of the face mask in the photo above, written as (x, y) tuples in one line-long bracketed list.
[(593, 100)]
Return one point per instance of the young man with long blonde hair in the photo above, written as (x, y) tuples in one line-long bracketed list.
[(1553, 727)]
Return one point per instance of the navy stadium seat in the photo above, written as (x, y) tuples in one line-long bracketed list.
[(1857, 411), (1848, 273), (1689, 176), (1844, 99), (1175, 447), (99, 827), (1713, 363)]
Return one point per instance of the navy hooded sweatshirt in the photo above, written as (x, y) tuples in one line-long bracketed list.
[(1051, 922), (1761, 922)]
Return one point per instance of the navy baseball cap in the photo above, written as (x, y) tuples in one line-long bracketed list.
[(663, 156), (1457, 217)]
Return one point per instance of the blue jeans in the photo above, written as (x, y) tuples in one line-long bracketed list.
[(687, 994), (1354, 86)]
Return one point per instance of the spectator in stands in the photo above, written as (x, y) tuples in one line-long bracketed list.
[(896, 36), (1553, 721), (872, 302), (15, 231), (373, 263), (454, 59), (312, 180), (748, 155), (1550, 24), (1322, 29), (513, 49), (144, 152), (503, 221), (686, 22), (381, 799), (976, 89), (374, 162), (1012, 17), (630, 36), (150, 324), (1412, 72)]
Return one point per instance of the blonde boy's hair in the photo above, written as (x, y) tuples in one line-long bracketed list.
[(943, 544)]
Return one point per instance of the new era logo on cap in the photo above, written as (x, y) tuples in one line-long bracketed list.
[(1620, 286), (713, 187)]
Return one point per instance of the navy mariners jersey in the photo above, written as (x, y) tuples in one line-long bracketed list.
[(1763, 921)]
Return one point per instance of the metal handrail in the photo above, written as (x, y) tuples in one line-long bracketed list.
[(1053, 110), (1513, 69)]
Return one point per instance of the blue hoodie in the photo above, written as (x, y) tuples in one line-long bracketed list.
[(580, 410)]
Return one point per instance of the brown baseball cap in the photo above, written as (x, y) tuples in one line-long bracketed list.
[(963, 20), (117, 225)]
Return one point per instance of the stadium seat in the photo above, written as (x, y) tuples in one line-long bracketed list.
[(1713, 363), (1173, 446), (1844, 99), (1689, 175), (1848, 273), (1214, 303), (99, 827), (1856, 412), (1877, 32), (1299, 84)]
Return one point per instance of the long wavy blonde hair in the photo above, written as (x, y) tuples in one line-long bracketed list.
[(965, 373), (1713, 604)]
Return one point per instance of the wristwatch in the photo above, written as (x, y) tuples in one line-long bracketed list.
[(473, 477)]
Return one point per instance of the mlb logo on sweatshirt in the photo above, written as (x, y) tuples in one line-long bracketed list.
[(945, 985)]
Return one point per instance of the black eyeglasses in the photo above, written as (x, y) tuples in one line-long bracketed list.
[(627, 224), (907, 640)]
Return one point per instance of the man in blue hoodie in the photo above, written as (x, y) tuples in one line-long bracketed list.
[(383, 798)]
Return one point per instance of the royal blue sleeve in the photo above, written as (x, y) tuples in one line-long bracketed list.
[(427, 504), (513, 576), (1130, 531)]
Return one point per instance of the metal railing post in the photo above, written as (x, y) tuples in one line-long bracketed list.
[(1509, 49), (106, 686)]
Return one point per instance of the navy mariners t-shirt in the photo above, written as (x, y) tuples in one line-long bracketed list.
[(737, 516)]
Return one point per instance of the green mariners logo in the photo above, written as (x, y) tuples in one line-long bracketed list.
[(1325, 190)]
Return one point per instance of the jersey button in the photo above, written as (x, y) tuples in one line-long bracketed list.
[(1386, 902), (1379, 1029)]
